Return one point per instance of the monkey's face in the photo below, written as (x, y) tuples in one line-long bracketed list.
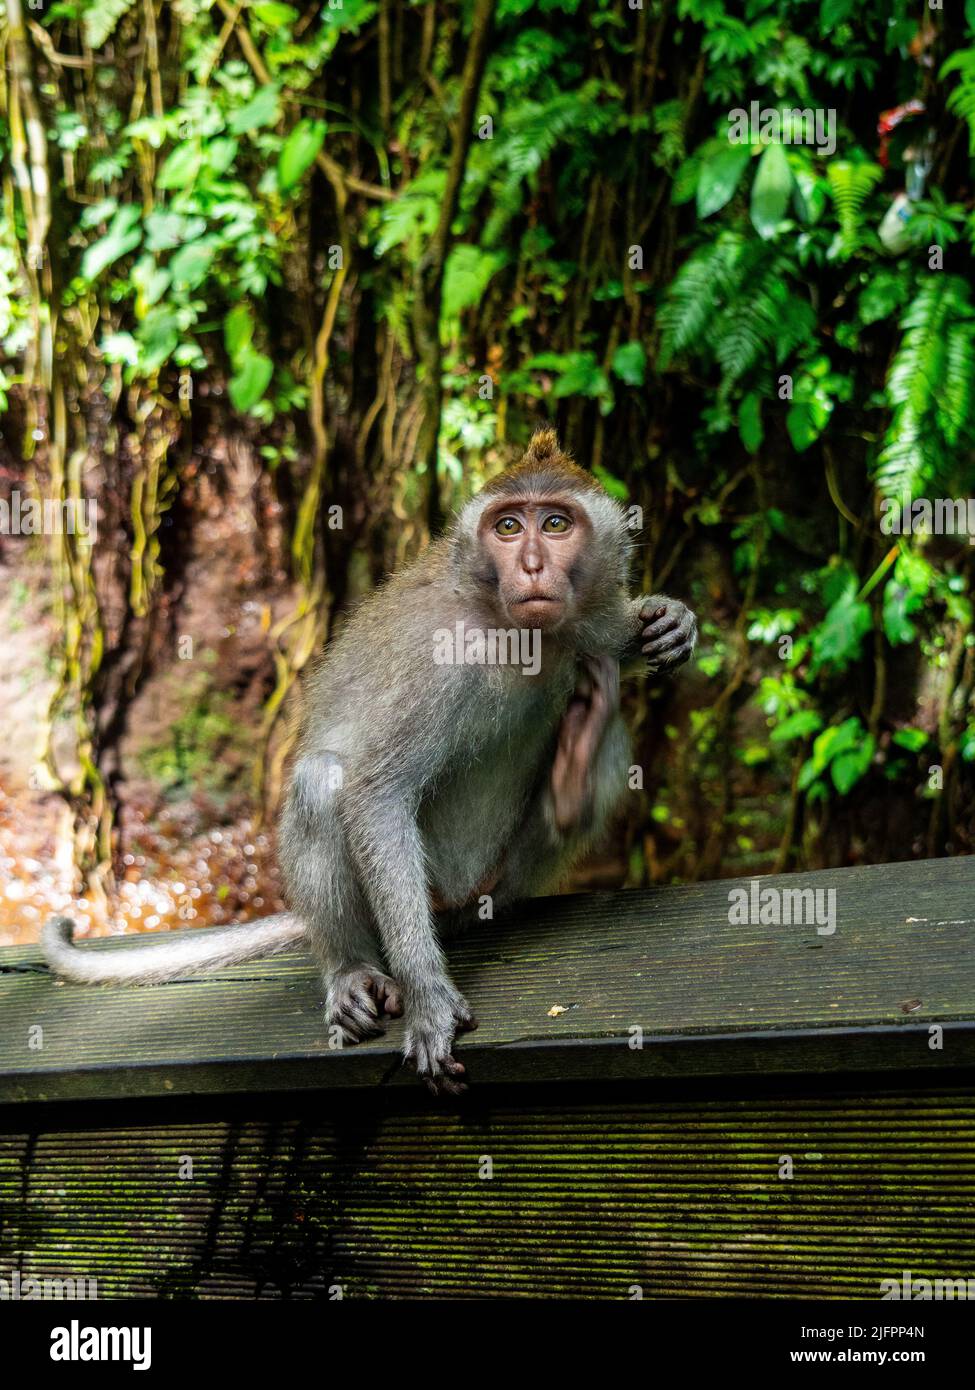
[(535, 551)]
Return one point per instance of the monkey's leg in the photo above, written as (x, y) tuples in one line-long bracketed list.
[(359, 996), (380, 820)]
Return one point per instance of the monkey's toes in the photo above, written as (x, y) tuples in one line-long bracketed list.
[(466, 1021), (444, 1077), (361, 1002), (430, 1051)]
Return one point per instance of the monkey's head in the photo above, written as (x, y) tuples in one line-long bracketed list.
[(544, 544)]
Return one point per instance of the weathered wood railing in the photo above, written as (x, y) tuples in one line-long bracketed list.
[(660, 1100)]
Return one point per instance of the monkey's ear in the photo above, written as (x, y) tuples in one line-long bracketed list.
[(544, 444)]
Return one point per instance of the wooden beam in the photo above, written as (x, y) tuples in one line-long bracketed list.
[(711, 999)]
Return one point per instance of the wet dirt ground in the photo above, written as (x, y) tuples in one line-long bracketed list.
[(175, 870)]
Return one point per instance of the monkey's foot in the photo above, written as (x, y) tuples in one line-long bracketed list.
[(430, 1045), (361, 1001)]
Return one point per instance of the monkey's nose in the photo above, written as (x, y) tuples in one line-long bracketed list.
[(532, 560)]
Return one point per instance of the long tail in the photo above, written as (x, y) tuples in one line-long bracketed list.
[(165, 958)]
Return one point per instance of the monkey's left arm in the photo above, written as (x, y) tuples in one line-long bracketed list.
[(576, 800), (660, 628)]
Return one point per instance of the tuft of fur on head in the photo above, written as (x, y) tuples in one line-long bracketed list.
[(544, 469)]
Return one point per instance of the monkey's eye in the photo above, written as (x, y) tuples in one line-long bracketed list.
[(556, 525), (508, 527)]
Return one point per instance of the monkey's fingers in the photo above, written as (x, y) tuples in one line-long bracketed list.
[(439, 1072), (665, 643), (669, 651), (444, 1086), (387, 995), (568, 788), (446, 1081), (604, 673), (361, 1001), (655, 630), (572, 725), (650, 612), (466, 1022), (358, 1022)]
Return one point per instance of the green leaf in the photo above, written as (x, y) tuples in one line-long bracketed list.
[(808, 774), (833, 13), (883, 296), (238, 330), (251, 380), (159, 337), (467, 275), (414, 214), (100, 19), (97, 213), (182, 166), (808, 196), (121, 347), (898, 628), (750, 422), (299, 151), (839, 637), (798, 725), (911, 739), (123, 235), (578, 374), (190, 264), (630, 363), (801, 425), (850, 185), (220, 154), (261, 110), (837, 739), (847, 768), (167, 230), (613, 485), (273, 14), (770, 191), (151, 283), (719, 177)]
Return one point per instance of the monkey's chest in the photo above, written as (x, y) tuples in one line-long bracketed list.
[(468, 820)]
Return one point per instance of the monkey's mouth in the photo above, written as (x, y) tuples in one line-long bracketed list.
[(538, 610)]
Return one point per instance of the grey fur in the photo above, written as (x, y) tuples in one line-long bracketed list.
[(414, 779), (166, 959)]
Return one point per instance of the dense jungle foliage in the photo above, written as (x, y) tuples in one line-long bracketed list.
[(356, 251)]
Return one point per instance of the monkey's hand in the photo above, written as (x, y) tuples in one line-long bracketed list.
[(433, 1022), (669, 632), (594, 702)]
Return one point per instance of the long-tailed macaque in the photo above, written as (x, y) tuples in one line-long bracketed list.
[(463, 739)]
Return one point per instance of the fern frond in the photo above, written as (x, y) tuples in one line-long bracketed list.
[(850, 186), (907, 462), (668, 122), (697, 294), (930, 387), (763, 320), (961, 100), (955, 404)]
